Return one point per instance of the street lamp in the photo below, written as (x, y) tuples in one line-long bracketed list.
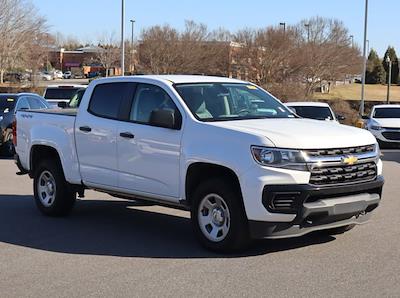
[(389, 78), (364, 59), (308, 31), (284, 26), (122, 37), (352, 40), (132, 49)]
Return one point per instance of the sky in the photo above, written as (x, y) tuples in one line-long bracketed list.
[(89, 19)]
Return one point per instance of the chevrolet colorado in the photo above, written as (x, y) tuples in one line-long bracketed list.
[(227, 150)]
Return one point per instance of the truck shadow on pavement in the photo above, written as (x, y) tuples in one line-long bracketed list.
[(116, 228)]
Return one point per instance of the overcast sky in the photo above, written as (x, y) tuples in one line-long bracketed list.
[(88, 19)]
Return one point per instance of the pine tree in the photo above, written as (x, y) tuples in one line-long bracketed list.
[(395, 65), (375, 73)]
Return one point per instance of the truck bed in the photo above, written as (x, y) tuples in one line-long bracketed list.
[(65, 112)]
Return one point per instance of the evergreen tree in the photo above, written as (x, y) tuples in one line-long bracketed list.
[(375, 73), (395, 65)]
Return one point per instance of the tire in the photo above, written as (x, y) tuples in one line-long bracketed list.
[(339, 230), (53, 195), (8, 146), (218, 217)]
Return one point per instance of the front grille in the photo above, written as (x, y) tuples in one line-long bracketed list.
[(392, 135), (340, 151), (343, 174)]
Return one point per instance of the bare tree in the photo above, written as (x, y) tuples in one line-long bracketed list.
[(108, 52), (20, 25)]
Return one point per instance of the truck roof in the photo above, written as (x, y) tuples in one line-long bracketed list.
[(66, 86), (307, 104), (177, 79)]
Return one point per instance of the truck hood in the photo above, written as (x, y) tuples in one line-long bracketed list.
[(387, 122), (302, 133)]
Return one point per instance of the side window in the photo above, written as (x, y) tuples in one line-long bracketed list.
[(35, 103), (22, 104), (147, 99), (107, 98)]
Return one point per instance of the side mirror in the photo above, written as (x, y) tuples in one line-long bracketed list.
[(365, 117), (340, 117), (62, 104), (165, 118)]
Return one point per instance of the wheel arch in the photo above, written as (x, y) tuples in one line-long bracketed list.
[(200, 171), (41, 152)]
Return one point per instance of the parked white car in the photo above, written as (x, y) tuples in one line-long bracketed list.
[(225, 149), (384, 123), (58, 74), (67, 75), (55, 94), (314, 110), (46, 76)]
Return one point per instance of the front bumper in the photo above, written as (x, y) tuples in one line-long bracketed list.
[(386, 135), (317, 208)]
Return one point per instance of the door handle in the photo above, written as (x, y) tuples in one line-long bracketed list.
[(127, 135), (85, 129)]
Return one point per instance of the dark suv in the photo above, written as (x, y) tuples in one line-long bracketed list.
[(9, 104)]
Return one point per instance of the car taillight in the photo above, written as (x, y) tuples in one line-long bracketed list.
[(14, 132)]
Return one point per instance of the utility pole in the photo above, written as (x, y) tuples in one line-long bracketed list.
[(389, 79), (122, 38), (132, 48), (364, 59)]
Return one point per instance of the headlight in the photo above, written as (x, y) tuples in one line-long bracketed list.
[(280, 158), (376, 127)]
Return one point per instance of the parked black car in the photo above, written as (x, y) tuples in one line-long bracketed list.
[(9, 104)]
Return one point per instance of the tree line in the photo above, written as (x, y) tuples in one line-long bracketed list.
[(378, 69)]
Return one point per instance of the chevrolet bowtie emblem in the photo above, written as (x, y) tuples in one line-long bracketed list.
[(349, 160)]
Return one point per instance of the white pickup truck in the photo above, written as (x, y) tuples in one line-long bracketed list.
[(228, 151)]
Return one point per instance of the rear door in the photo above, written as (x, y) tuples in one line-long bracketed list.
[(148, 156), (96, 133)]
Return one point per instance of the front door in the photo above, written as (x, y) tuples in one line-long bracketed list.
[(149, 156)]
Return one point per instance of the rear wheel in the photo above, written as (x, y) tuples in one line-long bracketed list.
[(53, 196), (218, 216)]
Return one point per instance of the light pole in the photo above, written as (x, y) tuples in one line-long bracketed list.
[(352, 40), (122, 38), (364, 59), (132, 49), (284, 26), (389, 78), (308, 31), (368, 46)]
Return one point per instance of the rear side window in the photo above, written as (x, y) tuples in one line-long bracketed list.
[(107, 98)]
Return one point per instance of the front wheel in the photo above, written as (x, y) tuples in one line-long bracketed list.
[(53, 195), (218, 216)]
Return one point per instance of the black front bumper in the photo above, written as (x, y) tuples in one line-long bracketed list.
[(317, 208)]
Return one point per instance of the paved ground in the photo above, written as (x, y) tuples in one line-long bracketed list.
[(113, 248)]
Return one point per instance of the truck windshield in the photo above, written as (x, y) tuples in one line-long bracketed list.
[(317, 113), (227, 101), (387, 113), (7, 103)]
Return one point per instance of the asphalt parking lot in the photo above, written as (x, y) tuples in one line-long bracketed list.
[(113, 248)]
